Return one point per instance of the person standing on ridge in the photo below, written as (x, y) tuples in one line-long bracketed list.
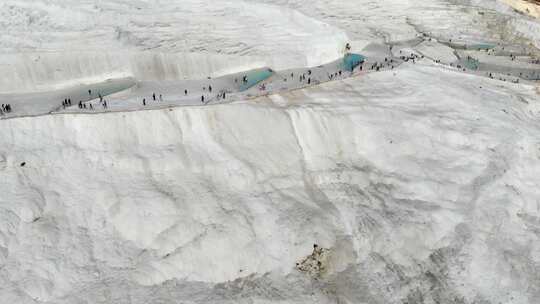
[(144, 102), (154, 96)]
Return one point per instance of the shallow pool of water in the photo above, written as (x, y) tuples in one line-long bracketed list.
[(254, 77), (351, 61)]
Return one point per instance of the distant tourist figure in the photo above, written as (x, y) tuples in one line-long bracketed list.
[(185, 92), (309, 80), (90, 92), (91, 107), (144, 102), (210, 88), (154, 96), (202, 98)]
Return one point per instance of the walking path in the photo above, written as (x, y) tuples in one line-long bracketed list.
[(127, 94)]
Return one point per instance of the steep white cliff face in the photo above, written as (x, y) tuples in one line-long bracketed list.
[(416, 197), (49, 44)]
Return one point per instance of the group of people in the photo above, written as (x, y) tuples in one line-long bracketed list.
[(66, 103), (102, 102), (222, 93), (83, 105), (156, 98), (335, 75), (6, 108)]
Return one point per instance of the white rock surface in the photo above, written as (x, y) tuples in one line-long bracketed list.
[(422, 182)]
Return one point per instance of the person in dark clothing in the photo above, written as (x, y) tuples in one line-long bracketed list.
[(154, 96), (144, 102), (185, 92), (91, 107), (202, 98), (90, 92), (223, 95), (69, 101), (84, 106), (210, 88), (309, 80)]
